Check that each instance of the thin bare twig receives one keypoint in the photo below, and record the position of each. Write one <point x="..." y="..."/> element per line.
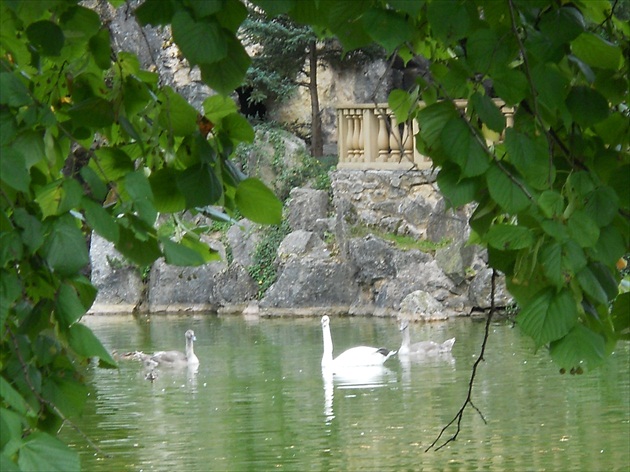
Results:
<point x="468" y="402"/>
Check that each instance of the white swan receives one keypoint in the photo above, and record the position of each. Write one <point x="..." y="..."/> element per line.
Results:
<point x="360" y="356"/>
<point x="176" y="358"/>
<point x="427" y="348"/>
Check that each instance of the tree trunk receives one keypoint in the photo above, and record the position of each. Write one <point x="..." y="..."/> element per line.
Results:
<point x="317" y="143"/>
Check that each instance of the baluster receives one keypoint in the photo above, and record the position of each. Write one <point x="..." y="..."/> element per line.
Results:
<point x="350" y="134"/>
<point x="383" y="138"/>
<point x="394" y="140"/>
<point x="361" y="143"/>
<point x="407" y="141"/>
<point x="356" y="150"/>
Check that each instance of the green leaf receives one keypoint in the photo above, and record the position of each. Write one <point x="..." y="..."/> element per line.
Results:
<point x="602" y="205"/>
<point x="275" y="7"/>
<point x="12" y="397"/>
<point x="552" y="264"/>
<point x="614" y="130"/>
<point x="432" y="120"/>
<point x="232" y="14"/>
<point x="583" y="229"/>
<point x="95" y="112"/>
<point x="505" y="191"/>
<point x="457" y="191"/>
<point x="551" y="203"/>
<point x="10" y="291"/>
<point x="573" y="257"/>
<point x="68" y="307"/>
<point x="166" y="195"/>
<point x="563" y="24"/>
<point x="40" y="451"/>
<point x="509" y="237"/>
<point x="65" y="248"/>
<point x="100" y="220"/>
<point x="610" y="246"/>
<point x="580" y="346"/>
<point x="206" y="8"/>
<point x="13" y="171"/>
<point x="531" y="158"/>
<point x="511" y="85"/>
<point x="30" y="144"/>
<point x="6" y="464"/>
<point x="155" y="12"/>
<point x="548" y="316"/>
<point x="591" y="286"/>
<point x="488" y="112"/>
<point x="386" y="27"/>
<point x="141" y="249"/>
<point x="32" y="235"/>
<point x="98" y="188"/>
<point x="111" y="164"/>
<point x="67" y="394"/>
<point x="228" y="73"/>
<point x="177" y="115"/>
<point x="10" y="247"/>
<point x="180" y="255"/>
<point x="462" y="147"/>
<point x="192" y="241"/>
<point x="86" y="291"/>
<point x="596" y="51"/>
<point x="257" y="203"/>
<point x="46" y="36"/>
<point x="83" y="341"/>
<point x="72" y="193"/>
<point x="551" y="85"/>
<point x="620" y="314"/>
<point x="401" y="104"/>
<point x="485" y="51"/>
<point x="101" y="49"/>
<point x="138" y="187"/>
<point x="59" y="197"/>
<point x="199" y="186"/>
<point x="587" y="106"/>
<point x="238" y="128"/>
<point x="79" y="22"/>
<point x="448" y="19"/>
<point x="217" y="107"/>
<point x="14" y="92"/>
<point x="201" y="41"/>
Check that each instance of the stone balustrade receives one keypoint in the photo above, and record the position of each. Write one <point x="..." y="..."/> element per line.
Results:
<point x="370" y="138"/>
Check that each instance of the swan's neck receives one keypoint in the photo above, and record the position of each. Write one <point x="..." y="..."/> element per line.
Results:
<point x="406" y="341"/>
<point x="190" y="353"/>
<point x="327" y="358"/>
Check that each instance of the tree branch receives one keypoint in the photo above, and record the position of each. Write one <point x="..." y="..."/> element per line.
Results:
<point x="460" y="414"/>
<point x="530" y="82"/>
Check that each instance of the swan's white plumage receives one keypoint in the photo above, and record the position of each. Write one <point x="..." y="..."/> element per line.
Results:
<point x="360" y="356"/>
<point x="427" y="348"/>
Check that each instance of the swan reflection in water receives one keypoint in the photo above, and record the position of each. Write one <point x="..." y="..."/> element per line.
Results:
<point x="374" y="376"/>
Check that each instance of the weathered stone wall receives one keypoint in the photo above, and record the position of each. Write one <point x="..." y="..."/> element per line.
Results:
<point x="373" y="275"/>
<point x="322" y="266"/>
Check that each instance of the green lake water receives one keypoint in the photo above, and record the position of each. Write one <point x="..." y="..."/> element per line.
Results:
<point x="259" y="401"/>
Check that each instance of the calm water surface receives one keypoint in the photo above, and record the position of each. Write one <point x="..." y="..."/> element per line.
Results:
<point x="259" y="402"/>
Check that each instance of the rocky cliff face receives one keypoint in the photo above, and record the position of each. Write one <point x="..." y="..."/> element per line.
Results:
<point x="322" y="265"/>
